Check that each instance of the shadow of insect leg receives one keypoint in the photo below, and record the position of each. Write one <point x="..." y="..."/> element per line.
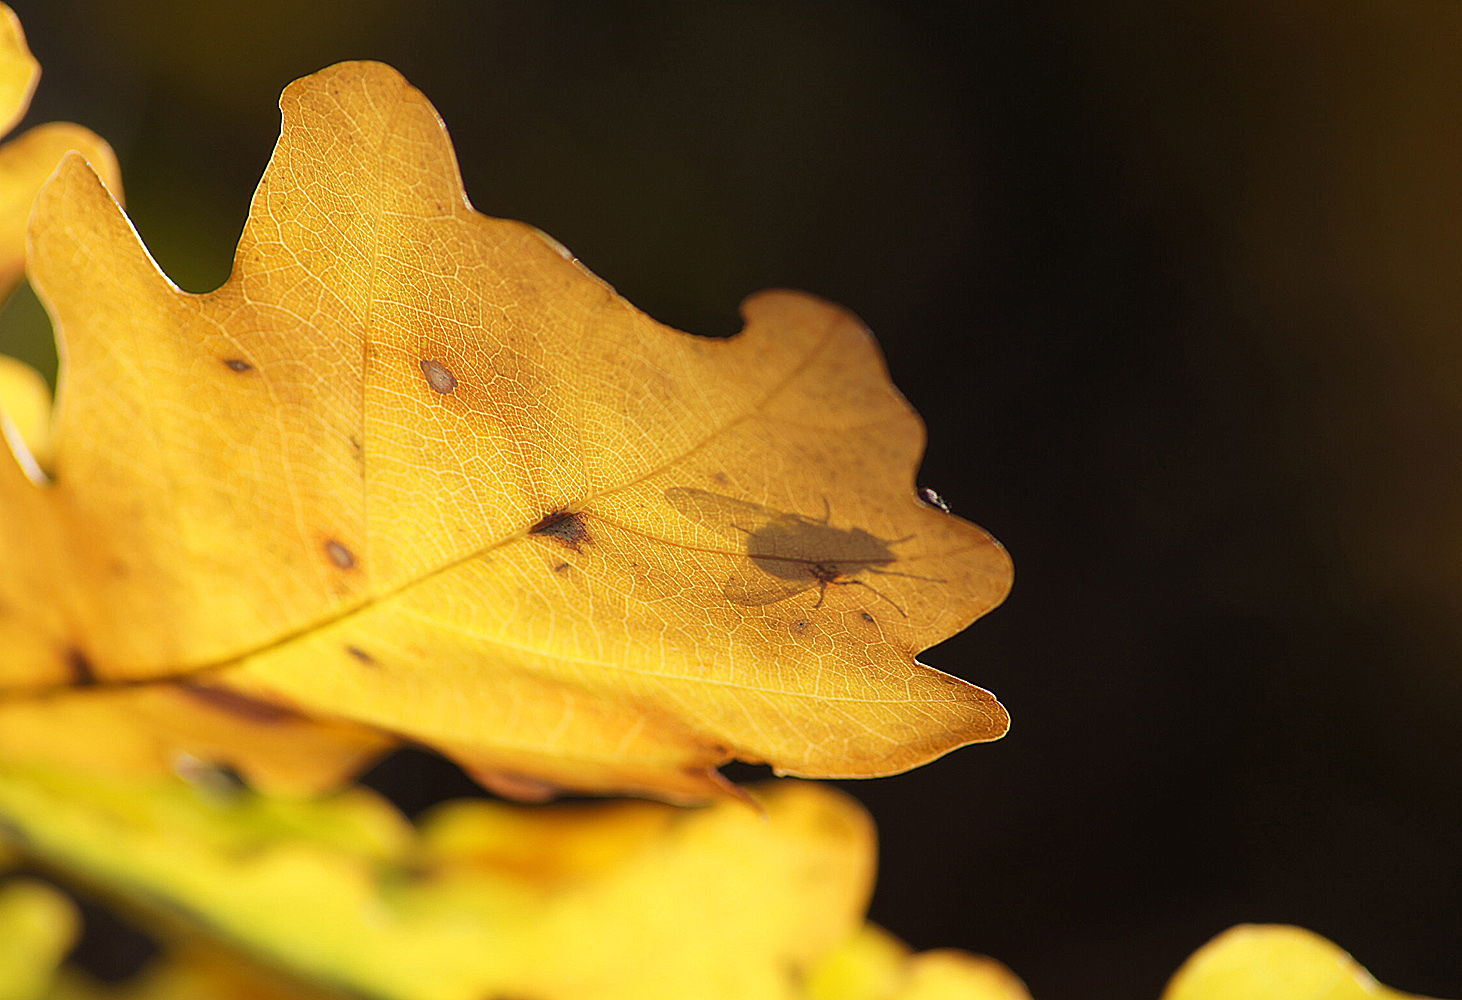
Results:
<point x="876" y="592"/>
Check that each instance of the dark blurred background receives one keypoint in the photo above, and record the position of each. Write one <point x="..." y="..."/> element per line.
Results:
<point x="1176" y="289"/>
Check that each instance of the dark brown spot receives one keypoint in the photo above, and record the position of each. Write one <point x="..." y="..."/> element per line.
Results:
<point x="238" y="365"/>
<point x="866" y="617"/>
<point x="438" y="376"/>
<point x="565" y="527"/>
<point x="721" y="478"/>
<point x="265" y="713"/>
<point x="83" y="674"/>
<point x="339" y="554"/>
<point x="361" y="655"/>
<point x="801" y="626"/>
<point x="561" y="567"/>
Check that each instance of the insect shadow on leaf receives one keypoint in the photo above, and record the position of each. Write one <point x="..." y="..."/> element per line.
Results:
<point x="788" y="554"/>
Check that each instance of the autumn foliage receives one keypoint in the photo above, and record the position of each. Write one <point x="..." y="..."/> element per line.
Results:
<point x="413" y="474"/>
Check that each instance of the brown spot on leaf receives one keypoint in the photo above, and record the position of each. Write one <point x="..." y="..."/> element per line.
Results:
<point x="564" y="527"/>
<point x="801" y="626"/>
<point x="866" y="617"/>
<point x="438" y="376"/>
<point x="83" y="674"/>
<point x="361" y="655"/>
<point x="561" y="568"/>
<point x="238" y="365"/>
<point x="339" y="554"/>
<point x="265" y="713"/>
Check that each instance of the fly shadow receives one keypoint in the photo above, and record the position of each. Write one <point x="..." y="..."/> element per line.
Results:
<point x="789" y="554"/>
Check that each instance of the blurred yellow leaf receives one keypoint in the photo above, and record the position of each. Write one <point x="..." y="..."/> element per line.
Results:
<point x="25" y="411"/>
<point x="874" y="965"/>
<point x="416" y="470"/>
<point x="1274" y="962"/>
<point x="630" y="900"/>
<point x="18" y="71"/>
<point x="161" y="728"/>
<point x="192" y="968"/>
<point x="947" y="974"/>
<point x="26" y="161"/>
<point x="37" y="926"/>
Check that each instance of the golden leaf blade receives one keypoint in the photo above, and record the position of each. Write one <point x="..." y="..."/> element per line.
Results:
<point x="409" y="451"/>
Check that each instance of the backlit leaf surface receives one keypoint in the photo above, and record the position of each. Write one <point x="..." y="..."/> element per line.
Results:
<point x="414" y="471"/>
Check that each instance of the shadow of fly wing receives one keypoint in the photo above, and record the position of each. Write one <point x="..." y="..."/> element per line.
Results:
<point x="787" y="554"/>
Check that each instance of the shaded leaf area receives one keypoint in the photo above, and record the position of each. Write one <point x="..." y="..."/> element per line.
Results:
<point x="415" y="472"/>
<point x="630" y="899"/>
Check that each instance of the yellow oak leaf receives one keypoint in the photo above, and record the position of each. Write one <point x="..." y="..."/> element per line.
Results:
<point x="417" y="470"/>
<point x="631" y="900"/>
<point x="1274" y="962"/>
